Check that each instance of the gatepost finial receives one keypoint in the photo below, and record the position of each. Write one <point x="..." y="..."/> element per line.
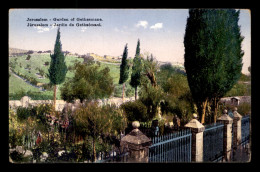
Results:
<point x="136" y="124"/>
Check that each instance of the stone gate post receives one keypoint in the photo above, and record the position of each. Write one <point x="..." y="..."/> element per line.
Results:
<point x="197" y="139"/>
<point x="227" y="135"/>
<point x="137" y="144"/>
<point x="236" y="128"/>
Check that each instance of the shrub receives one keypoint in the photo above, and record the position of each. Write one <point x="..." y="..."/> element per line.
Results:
<point x="15" y="133"/>
<point x="16" y="156"/>
<point x="41" y="72"/>
<point x="30" y="52"/>
<point x="239" y="89"/>
<point x="47" y="86"/>
<point x="18" y="95"/>
<point x="23" y="113"/>
<point x="118" y="91"/>
<point x="130" y="92"/>
<point x="244" y="108"/>
<point x="46" y="63"/>
<point x="135" y="111"/>
<point x="33" y="81"/>
<point x="28" y="57"/>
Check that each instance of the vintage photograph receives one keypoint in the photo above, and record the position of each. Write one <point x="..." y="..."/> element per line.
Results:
<point x="129" y="85"/>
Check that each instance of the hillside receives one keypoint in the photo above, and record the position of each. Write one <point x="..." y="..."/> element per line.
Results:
<point x="16" y="51"/>
<point x="37" y="63"/>
<point x="31" y="69"/>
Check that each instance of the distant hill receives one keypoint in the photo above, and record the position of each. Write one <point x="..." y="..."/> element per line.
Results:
<point x="13" y="51"/>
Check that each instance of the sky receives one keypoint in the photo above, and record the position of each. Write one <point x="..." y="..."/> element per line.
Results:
<point x="161" y="32"/>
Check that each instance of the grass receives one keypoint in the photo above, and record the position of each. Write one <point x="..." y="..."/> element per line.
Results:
<point x="18" y="86"/>
<point x="114" y="71"/>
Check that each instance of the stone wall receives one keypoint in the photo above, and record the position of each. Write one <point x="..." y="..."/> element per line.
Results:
<point x="60" y="104"/>
<point x="241" y="99"/>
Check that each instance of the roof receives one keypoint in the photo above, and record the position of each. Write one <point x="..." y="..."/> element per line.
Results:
<point x="235" y="98"/>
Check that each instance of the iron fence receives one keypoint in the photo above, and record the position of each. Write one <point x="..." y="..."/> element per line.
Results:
<point x="213" y="142"/>
<point x="114" y="156"/>
<point x="245" y="130"/>
<point x="172" y="147"/>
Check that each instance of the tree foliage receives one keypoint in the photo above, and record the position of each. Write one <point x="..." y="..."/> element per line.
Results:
<point x="93" y="120"/>
<point x="89" y="82"/>
<point x="124" y="70"/>
<point x="213" y="55"/>
<point x="150" y="69"/>
<point x="135" y="111"/>
<point x="58" y="68"/>
<point x="177" y="99"/>
<point x="136" y="69"/>
<point x="124" y="67"/>
<point x="150" y="94"/>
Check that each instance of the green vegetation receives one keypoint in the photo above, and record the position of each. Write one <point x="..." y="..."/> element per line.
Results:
<point x="17" y="84"/>
<point x="37" y="62"/>
<point x="136" y="69"/>
<point x="213" y="61"/>
<point x="92" y="120"/>
<point x="95" y="124"/>
<point x="124" y="70"/>
<point x="58" y="69"/>
<point x="213" y="42"/>
<point x="88" y="83"/>
<point x="135" y="111"/>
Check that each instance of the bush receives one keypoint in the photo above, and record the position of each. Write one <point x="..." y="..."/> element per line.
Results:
<point x="16" y="156"/>
<point x="18" y="95"/>
<point x="28" y="57"/>
<point x="130" y="92"/>
<point x="48" y="86"/>
<point x="46" y="63"/>
<point x="41" y="72"/>
<point x="239" y="89"/>
<point x="33" y="81"/>
<point x="23" y="113"/>
<point x="37" y="152"/>
<point x="244" y="108"/>
<point x="118" y="91"/>
<point x="135" y="111"/>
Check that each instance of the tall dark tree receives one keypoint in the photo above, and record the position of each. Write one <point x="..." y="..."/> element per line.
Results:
<point x="213" y="55"/>
<point x="58" y="68"/>
<point x="124" y="70"/>
<point x="136" y="69"/>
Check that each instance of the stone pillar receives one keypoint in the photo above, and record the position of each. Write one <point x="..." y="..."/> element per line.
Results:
<point x="227" y="135"/>
<point x="197" y="139"/>
<point x="137" y="145"/>
<point x="25" y="101"/>
<point x="236" y="128"/>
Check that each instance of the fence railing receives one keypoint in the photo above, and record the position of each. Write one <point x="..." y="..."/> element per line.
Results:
<point x="173" y="147"/>
<point x="245" y="130"/>
<point x="213" y="142"/>
<point x="112" y="156"/>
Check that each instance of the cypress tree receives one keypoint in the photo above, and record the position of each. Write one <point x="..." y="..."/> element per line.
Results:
<point x="124" y="70"/>
<point x="213" y="55"/>
<point x="136" y="69"/>
<point x="58" y="68"/>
